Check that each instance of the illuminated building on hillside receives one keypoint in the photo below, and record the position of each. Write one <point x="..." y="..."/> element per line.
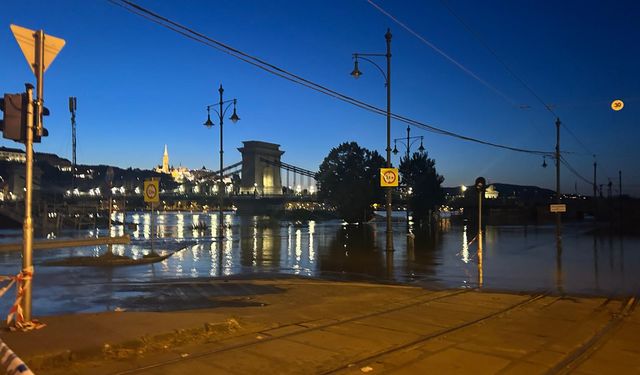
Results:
<point x="178" y="174"/>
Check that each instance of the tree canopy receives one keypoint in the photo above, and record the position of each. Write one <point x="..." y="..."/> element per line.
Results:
<point x="349" y="180"/>
<point x="419" y="175"/>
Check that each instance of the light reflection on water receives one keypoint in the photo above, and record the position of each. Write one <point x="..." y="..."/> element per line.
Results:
<point x="512" y="258"/>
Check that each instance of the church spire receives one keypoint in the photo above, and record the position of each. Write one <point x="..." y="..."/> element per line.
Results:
<point x="165" y="160"/>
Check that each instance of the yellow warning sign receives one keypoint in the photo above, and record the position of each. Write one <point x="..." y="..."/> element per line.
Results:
<point x="388" y="177"/>
<point x="151" y="191"/>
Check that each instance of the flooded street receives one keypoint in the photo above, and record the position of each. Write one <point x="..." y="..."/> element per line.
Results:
<point x="515" y="258"/>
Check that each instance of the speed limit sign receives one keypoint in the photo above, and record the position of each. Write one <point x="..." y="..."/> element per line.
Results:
<point x="388" y="177"/>
<point x="151" y="191"/>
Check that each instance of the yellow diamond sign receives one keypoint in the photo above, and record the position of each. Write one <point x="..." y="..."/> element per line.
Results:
<point x="388" y="177"/>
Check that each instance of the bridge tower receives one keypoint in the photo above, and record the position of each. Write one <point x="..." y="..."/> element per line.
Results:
<point x="259" y="177"/>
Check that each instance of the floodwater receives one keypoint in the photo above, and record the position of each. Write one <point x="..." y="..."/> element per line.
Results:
<point x="515" y="258"/>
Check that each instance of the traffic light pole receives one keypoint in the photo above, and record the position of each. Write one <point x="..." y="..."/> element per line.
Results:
<point x="39" y="72"/>
<point x="27" y="228"/>
<point x="34" y="122"/>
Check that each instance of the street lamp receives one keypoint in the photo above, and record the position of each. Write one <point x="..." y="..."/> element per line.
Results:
<point x="408" y="142"/>
<point x="356" y="73"/>
<point x="234" y="118"/>
<point x="481" y="185"/>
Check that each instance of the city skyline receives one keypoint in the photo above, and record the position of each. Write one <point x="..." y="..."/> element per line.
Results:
<point x="140" y="86"/>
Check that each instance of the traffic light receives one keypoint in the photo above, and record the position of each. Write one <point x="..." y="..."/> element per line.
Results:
<point x="42" y="132"/>
<point x="14" y="123"/>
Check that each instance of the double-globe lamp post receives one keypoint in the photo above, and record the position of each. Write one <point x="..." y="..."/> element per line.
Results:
<point x="408" y="142"/>
<point x="387" y="77"/>
<point x="234" y="118"/>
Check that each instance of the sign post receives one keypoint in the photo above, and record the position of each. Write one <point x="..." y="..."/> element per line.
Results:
<point x="39" y="54"/>
<point x="152" y="196"/>
<point x="481" y="184"/>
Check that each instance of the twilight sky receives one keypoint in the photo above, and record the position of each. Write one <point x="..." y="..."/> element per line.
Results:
<point x="140" y="86"/>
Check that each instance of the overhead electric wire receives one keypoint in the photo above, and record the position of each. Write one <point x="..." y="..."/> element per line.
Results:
<point x="576" y="173"/>
<point x="480" y="40"/>
<point x="273" y="69"/>
<point x="469" y="72"/>
<point x="495" y="55"/>
<point x="443" y="54"/>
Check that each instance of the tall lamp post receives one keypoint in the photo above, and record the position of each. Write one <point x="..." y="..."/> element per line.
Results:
<point x="387" y="77"/>
<point x="221" y="111"/>
<point x="481" y="185"/>
<point x="408" y="142"/>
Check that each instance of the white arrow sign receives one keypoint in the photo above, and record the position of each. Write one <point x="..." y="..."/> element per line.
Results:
<point x="27" y="41"/>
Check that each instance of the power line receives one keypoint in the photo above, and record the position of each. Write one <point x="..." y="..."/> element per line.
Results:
<point x="273" y="69"/>
<point x="482" y="42"/>
<point x="466" y="70"/>
<point x="443" y="54"/>
<point x="576" y="173"/>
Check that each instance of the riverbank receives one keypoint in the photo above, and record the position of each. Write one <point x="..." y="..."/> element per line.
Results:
<point x="296" y="325"/>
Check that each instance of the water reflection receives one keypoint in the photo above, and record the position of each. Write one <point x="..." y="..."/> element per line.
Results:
<point x="509" y="257"/>
<point x="559" y="275"/>
<point x="353" y="251"/>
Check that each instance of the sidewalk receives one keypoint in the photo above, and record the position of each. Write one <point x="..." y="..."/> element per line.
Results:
<point x="308" y="326"/>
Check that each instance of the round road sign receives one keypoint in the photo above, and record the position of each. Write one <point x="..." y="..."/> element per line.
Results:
<point x="151" y="191"/>
<point x="617" y="105"/>
<point x="389" y="177"/>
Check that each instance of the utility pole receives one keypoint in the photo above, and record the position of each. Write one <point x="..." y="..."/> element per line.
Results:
<point x="595" y="184"/>
<point x="620" y="197"/>
<point x="558" y="217"/>
<point x="595" y="189"/>
<point x="620" y="184"/>
<point x="72" y="109"/>
<point x="387" y="37"/>
<point x="408" y="140"/>
<point x="601" y="191"/>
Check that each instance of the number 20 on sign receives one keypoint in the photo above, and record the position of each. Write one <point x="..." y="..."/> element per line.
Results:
<point x="388" y="177"/>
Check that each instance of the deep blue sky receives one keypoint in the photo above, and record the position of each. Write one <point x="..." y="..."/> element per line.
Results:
<point x="140" y="86"/>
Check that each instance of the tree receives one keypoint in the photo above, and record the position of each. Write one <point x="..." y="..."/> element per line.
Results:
<point x="421" y="179"/>
<point x="349" y="180"/>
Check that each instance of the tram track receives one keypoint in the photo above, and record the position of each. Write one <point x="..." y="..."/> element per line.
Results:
<point x="568" y="364"/>
<point x="434" y="335"/>
<point x="575" y="358"/>
<point x="304" y="327"/>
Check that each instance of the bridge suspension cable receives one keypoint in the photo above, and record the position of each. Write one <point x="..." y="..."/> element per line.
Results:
<point x="289" y="167"/>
